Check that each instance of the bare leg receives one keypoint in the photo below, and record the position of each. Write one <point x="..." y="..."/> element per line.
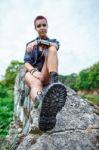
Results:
<point x="34" y="83"/>
<point x="51" y="63"/>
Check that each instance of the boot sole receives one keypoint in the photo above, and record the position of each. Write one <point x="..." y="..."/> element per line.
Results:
<point x="53" y="101"/>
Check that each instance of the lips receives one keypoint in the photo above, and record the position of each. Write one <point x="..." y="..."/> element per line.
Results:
<point x="43" y="31"/>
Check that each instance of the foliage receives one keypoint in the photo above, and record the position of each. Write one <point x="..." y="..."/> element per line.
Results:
<point x="6" y="111"/>
<point x="88" y="79"/>
<point x="69" y="80"/>
<point x="6" y="96"/>
<point x="82" y="80"/>
<point x="3" y="91"/>
<point x="11" y="73"/>
<point x="93" y="98"/>
<point x="94" y="76"/>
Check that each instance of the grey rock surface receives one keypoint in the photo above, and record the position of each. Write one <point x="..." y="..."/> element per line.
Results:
<point x="77" y="126"/>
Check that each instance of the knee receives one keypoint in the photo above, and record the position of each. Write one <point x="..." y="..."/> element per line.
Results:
<point x="32" y="81"/>
<point x="52" y="49"/>
<point x="36" y="83"/>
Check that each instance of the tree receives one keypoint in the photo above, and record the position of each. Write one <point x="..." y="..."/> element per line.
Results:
<point x="94" y="76"/>
<point x="69" y="80"/>
<point x="82" y="80"/>
<point x="11" y="73"/>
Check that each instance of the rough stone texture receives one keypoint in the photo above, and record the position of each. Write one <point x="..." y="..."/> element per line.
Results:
<point x="77" y="126"/>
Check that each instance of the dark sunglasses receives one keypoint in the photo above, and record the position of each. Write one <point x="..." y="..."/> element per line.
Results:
<point x="41" y="25"/>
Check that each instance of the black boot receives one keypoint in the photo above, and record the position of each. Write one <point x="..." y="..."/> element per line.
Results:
<point x="53" y="100"/>
<point x="53" y="77"/>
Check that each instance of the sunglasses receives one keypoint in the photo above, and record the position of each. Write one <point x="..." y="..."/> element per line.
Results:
<point x="41" y="25"/>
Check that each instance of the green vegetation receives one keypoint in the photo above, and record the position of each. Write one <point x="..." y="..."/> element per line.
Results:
<point x="92" y="98"/>
<point x="87" y="79"/>
<point x="69" y="80"/>
<point x="6" y="111"/>
<point x="6" y="97"/>
<point x="11" y="72"/>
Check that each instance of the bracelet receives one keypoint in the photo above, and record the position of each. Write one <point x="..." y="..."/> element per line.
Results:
<point x="33" y="70"/>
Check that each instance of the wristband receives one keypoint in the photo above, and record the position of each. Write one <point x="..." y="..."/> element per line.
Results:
<point x="33" y="70"/>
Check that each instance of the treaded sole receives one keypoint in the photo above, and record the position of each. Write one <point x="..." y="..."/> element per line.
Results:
<point x="53" y="101"/>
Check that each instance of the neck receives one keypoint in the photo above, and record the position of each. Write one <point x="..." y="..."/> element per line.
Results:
<point x="42" y="37"/>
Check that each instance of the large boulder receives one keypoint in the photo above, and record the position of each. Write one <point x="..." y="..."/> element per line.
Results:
<point x="77" y="126"/>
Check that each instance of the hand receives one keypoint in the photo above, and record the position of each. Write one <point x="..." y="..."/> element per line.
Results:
<point x="31" y="46"/>
<point x="38" y="75"/>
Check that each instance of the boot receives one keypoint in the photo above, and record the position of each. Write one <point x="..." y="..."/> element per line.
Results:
<point x="53" y="100"/>
<point x="53" y="77"/>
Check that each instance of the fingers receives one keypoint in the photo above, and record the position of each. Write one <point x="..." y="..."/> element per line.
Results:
<point x="38" y="75"/>
<point x="31" y="46"/>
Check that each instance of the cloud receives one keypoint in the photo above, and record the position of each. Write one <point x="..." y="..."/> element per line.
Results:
<point x="74" y="23"/>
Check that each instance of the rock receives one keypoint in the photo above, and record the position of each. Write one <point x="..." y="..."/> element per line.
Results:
<point x="19" y="130"/>
<point x="28" y="141"/>
<point x="77" y="126"/>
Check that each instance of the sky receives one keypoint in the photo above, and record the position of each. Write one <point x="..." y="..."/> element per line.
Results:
<point x="74" y="23"/>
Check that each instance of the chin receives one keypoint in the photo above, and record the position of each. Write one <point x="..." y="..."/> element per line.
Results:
<point x="43" y="35"/>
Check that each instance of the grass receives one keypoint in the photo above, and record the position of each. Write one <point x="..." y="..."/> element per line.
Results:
<point x="92" y="98"/>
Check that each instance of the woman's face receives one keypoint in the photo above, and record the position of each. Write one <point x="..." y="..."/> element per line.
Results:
<point x="41" y="27"/>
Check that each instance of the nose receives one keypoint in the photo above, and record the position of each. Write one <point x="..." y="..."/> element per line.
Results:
<point x="42" y="27"/>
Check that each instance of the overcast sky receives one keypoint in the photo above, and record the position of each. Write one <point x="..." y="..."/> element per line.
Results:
<point x="75" y="23"/>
